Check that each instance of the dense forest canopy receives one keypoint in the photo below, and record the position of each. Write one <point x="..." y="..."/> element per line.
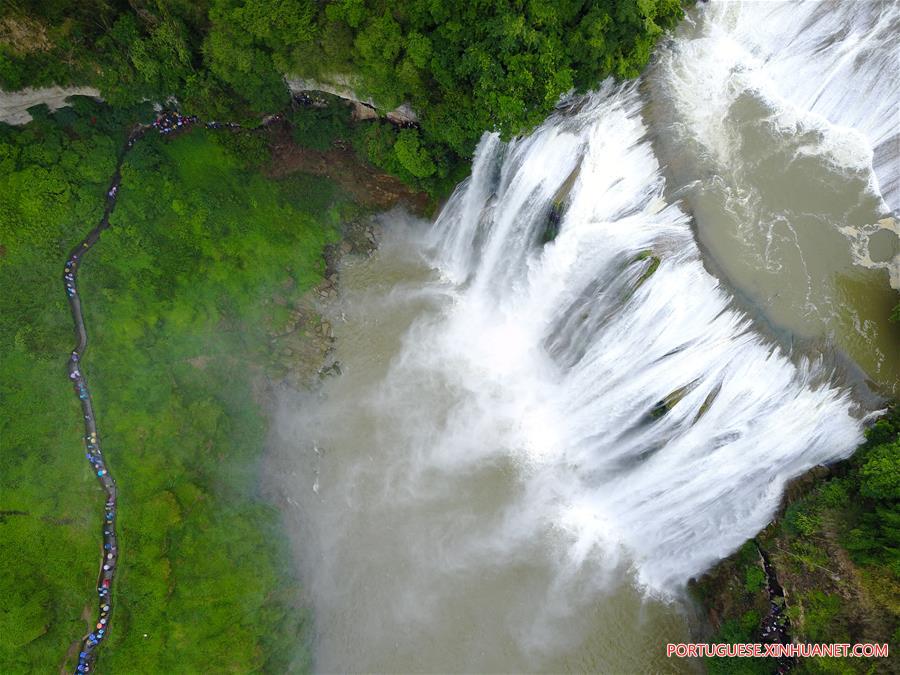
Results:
<point x="465" y="66"/>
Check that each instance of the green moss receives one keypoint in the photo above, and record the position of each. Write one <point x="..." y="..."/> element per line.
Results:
<point x="754" y="579"/>
<point x="650" y="268"/>
<point x="551" y="228"/>
<point x="562" y="194"/>
<point x="708" y="401"/>
<point x="670" y="401"/>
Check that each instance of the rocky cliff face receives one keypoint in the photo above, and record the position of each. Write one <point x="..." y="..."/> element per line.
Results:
<point x="344" y="86"/>
<point x="14" y="104"/>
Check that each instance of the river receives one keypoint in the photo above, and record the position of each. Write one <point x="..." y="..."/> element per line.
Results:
<point x="540" y="436"/>
<point x="778" y="124"/>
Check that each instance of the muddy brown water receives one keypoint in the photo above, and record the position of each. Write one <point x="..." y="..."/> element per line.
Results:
<point x="768" y="137"/>
<point x="460" y="502"/>
<point x="396" y="552"/>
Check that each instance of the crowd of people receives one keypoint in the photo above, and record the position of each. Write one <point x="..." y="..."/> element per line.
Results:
<point x="94" y="455"/>
<point x="69" y="277"/>
<point x="222" y="125"/>
<point x="93" y="452"/>
<point x="165" y="123"/>
<point x="171" y="121"/>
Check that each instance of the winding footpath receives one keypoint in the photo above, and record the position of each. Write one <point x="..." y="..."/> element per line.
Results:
<point x="94" y="454"/>
<point x="165" y="124"/>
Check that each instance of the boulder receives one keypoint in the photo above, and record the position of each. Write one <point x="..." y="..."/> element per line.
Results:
<point x="403" y="115"/>
<point x="362" y="111"/>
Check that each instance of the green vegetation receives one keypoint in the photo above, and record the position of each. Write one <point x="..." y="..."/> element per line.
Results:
<point x="754" y="579"/>
<point x="651" y="267"/>
<point x="52" y="185"/>
<point x="736" y="588"/>
<point x="175" y="304"/>
<point x="475" y="66"/>
<point x="465" y="67"/>
<point x="173" y="290"/>
<point x="319" y="127"/>
<point x="328" y="123"/>
<point x="836" y="554"/>
<point x="872" y="507"/>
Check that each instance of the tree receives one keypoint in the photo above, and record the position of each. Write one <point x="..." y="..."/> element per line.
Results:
<point x="412" y="155"/>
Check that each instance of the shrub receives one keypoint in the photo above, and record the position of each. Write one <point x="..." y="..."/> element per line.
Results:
<point x="412" y="156"/>
<point x="319" y="127"/>
<point x="755" y="579"/>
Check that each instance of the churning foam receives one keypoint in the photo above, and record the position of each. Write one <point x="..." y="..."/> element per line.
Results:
<point x="832" y="68"/>
<point x="545" y="416"/>
<point x="648" y="418"/>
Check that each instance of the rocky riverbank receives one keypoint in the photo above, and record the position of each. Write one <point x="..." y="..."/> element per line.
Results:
<point x="302" y="348"/>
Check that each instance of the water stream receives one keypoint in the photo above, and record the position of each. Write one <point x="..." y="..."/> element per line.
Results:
<point x="552" y="413"/>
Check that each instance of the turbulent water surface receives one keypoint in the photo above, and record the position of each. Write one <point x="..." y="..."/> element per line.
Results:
<point x="779" y="123"/>
<point x="545" y="426"/>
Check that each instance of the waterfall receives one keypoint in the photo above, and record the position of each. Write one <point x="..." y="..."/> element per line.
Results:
<point x="551" y="415"/>
<point x="653" y="420"/>
<point x="828" y="68"/>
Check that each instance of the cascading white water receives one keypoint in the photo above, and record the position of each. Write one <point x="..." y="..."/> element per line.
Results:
<point x="551" y="415"/>
<point x="535" y="429"/>
<point x="575" y="342"/>
<point x="830" y="67"/>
